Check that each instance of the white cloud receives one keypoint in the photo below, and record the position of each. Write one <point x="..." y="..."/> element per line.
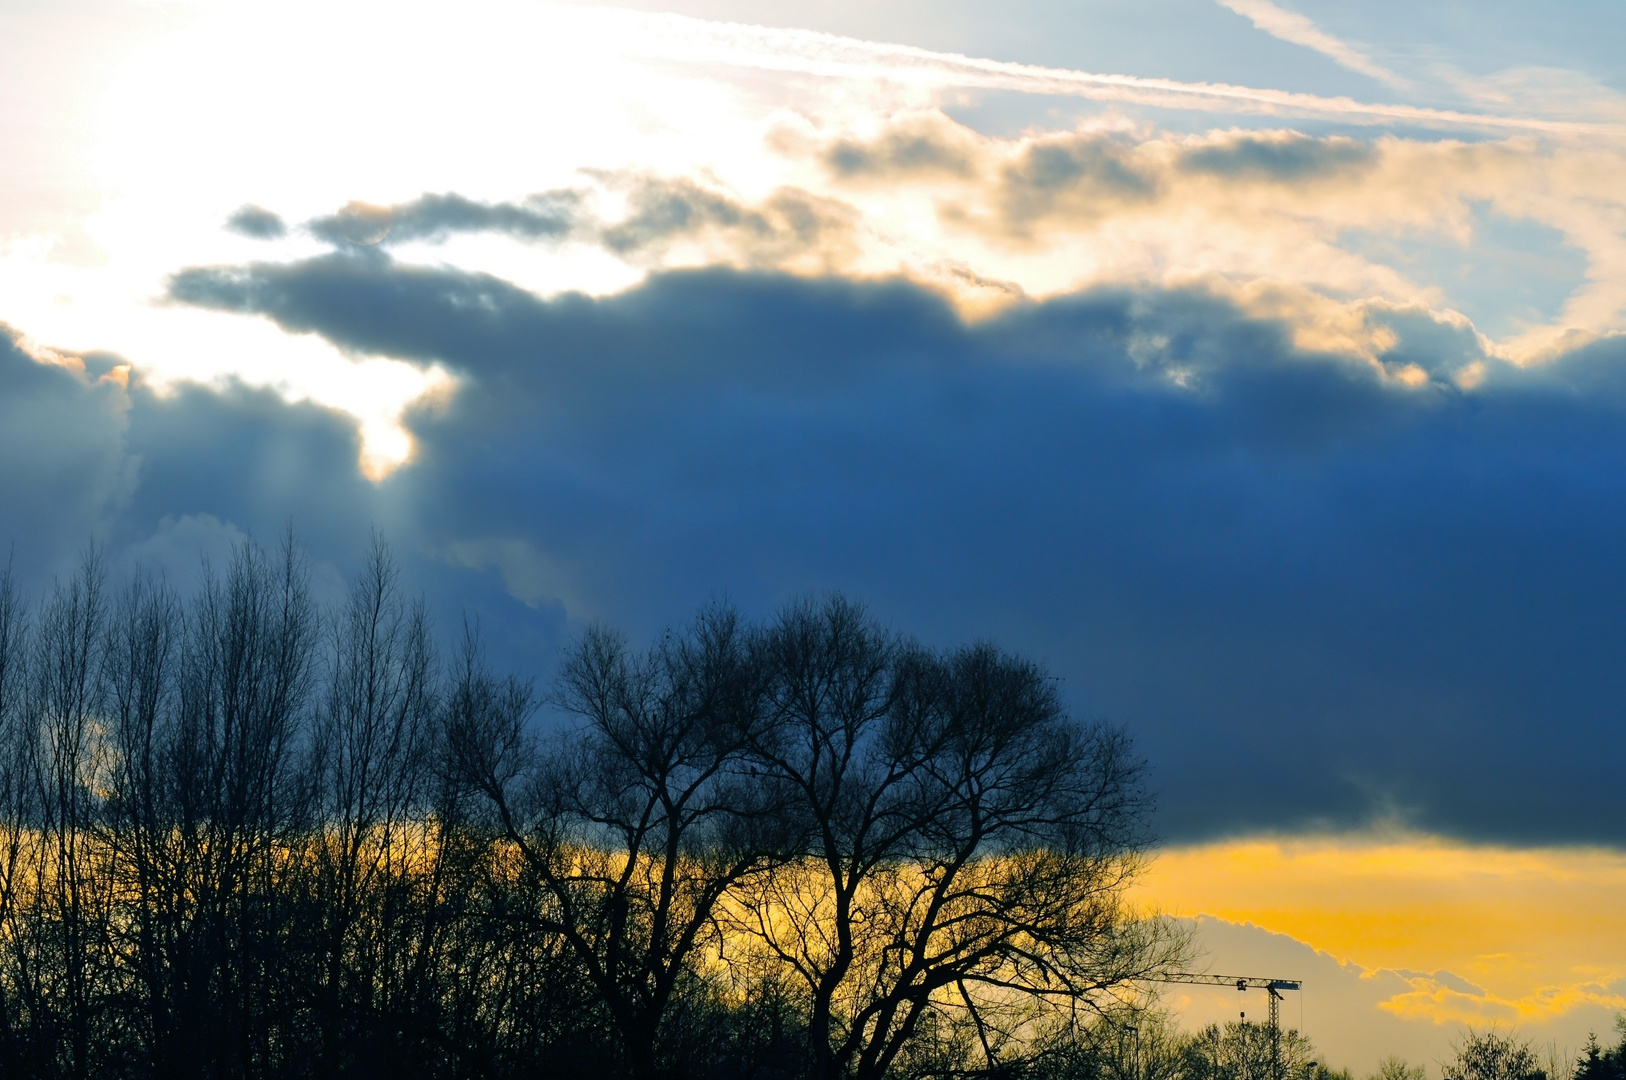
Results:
<point x="396" y="102"/>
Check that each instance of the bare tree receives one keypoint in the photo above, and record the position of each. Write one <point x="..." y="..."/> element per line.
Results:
<point x="140" y="691"/>
<point x="66" y="743"/>
<point x="237" y="804"/>
<point x="967" y="844"/>
<point x="377" y="849"/>
<point x="17" y="815"/>
<point x="639" y="822"/>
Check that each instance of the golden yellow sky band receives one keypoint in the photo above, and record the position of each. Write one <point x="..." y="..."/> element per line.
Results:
<point x="1539" y="931"/>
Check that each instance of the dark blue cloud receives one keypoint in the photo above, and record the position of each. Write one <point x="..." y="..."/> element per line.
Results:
<point x="1316" y="596"/>
<point x="787" y="224"/>
<point x="163" y="481"/>
<point x="246" y="457"/>
<point x="546" y="216"/>
<point x="257" y="223"/>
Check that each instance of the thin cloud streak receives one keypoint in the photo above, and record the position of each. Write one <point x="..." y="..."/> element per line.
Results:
<point x="1295" y="29"/>
<point x="685" y="39"/>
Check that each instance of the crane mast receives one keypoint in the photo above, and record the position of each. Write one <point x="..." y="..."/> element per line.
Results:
<point x="1272" y="989"/>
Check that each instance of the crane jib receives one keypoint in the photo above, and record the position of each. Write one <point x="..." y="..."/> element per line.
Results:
<point x="1241" y="982"/>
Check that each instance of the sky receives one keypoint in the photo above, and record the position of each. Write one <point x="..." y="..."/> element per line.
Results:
<point x="1257" y="367"/>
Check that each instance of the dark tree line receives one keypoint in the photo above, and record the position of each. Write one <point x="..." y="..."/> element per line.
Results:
<point x="1604" y="1063"/>
<point x="244" y="837"/>
<point x="1139" y="1042"/>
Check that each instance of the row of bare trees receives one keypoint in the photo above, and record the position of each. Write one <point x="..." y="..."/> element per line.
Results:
<point x="241" y="836"/>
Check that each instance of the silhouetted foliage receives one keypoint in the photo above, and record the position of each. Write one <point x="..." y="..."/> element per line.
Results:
<point x="242" y="836"/>
<point x="1397" y="1068"/>
<point x="1598" y="1063"/>
<point x="1240" y="1050"/>
<point x="1492" y="1055"/>
<point x="1140" y="1043"/>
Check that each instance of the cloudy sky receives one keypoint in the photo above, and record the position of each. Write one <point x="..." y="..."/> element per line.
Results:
<point x="1256" y="366"/>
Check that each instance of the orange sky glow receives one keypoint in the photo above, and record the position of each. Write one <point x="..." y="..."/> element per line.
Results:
<point x="1443" y="934"/>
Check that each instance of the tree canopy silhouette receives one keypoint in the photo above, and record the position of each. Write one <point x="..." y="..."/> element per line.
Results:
<point x="244" y="835"/>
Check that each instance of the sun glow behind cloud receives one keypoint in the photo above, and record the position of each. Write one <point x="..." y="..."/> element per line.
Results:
<point x="305" y="108"/>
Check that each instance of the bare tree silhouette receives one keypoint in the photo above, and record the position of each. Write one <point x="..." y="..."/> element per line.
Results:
<point x="637" y="824"/>
<point x="967" y="844"/>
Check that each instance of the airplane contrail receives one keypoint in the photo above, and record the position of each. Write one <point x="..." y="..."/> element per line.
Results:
<point x="686" y="39"/>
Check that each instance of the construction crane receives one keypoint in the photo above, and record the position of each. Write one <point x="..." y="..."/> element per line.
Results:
<point x="1272" y="989"/>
